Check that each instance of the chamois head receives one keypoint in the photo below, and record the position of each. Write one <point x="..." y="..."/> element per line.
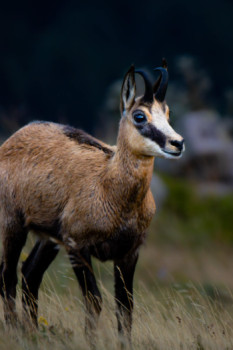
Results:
<point x="146" y="118"/>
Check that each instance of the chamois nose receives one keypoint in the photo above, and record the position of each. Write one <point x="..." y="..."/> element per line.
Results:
<point x="177" y="144"/>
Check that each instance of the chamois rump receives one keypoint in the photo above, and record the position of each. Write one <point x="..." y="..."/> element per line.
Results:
<point x="72" y="189"/>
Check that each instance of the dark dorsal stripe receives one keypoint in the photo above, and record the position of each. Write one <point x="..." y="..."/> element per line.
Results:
<point x="83" y="138"/>
<point x="153" y="133"/>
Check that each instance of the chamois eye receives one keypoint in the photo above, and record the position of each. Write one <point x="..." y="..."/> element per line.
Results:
<point x="140" y="118"/>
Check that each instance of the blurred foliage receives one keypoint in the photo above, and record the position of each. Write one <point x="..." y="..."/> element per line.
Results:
<point x="189" y="218"/>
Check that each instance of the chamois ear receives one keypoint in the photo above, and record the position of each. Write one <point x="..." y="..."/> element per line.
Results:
<point x="128" y="90"/>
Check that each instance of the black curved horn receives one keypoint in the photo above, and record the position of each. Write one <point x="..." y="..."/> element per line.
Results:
<point x="164" y="63"/>
<point x="160" y="86"/>
<point x="148" y="95"/>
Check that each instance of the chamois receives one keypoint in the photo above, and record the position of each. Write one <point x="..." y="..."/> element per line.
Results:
<point x="72" y="189"/>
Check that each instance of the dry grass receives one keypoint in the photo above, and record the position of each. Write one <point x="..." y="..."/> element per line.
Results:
<point x="166" y="318"/>
<point x="167" y="315"/>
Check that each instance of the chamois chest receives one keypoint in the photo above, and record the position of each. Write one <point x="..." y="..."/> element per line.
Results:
<point x="116" y="248"/>
<point x="128" y="234"/>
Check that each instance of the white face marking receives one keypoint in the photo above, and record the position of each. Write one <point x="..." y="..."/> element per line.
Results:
<point x="159" y="120"/>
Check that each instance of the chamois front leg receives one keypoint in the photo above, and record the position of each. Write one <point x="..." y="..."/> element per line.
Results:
<point x="124" y="272"/>
<point x="82" y="266"/>
<point x="41" y="256"/>
<point x="13" y="243"/>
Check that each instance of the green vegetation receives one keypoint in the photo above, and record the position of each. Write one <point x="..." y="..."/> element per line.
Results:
<point x="187" y="218"/>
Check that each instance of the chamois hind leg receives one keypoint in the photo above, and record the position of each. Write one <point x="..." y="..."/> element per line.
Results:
<point x="41" y="256"/>
<point x="81" y="263"/>
<point x="124" y="273"/>
<point x="13" y="243"/>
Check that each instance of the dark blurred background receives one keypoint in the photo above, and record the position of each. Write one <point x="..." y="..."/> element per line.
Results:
<point x="64" y="61"/>
<point x="59" y="58"/>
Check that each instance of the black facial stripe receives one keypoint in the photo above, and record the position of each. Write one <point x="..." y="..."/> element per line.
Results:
<point x="150" y="131"/>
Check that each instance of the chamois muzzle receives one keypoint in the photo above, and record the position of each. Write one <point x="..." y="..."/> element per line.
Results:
<point x="177" y="144"/>
<point x="174" y="148"/>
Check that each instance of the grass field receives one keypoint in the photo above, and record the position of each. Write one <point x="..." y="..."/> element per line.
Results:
<point x="175" y="317"/>
<point x="167" y="315"/>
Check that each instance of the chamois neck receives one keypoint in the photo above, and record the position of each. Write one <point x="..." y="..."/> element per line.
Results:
<point x="130" y="173"/>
